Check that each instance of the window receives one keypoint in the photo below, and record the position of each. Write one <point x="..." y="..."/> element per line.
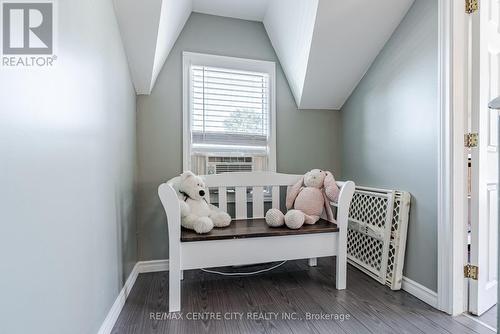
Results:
<point x="229" y="114"/>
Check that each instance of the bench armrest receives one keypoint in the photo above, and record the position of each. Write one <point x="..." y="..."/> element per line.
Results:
<point x="344" y="202"/>
<point x="346" y="193"/>
<point x="170" y="201"/>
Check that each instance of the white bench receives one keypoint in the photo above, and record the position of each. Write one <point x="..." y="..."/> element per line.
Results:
<point x="255" y="242"/>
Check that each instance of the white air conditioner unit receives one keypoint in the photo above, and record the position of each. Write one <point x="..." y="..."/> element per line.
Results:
<point x="225" y="164"/>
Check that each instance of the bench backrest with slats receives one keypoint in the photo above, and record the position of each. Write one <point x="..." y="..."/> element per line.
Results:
<point x="239" y="251"/>
<point x="257" y="182"/>
<point x="241" y="182"/>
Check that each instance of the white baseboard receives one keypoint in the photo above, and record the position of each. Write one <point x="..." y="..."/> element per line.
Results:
<point x="421" y="292"/>
<point x="152" y="266"/>
<point x="140" y="267"/>
<point x="117" y="306"/>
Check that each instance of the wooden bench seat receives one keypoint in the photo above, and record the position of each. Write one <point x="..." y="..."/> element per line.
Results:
<point x="249" y="241"/>
<point x="253" y="228"/>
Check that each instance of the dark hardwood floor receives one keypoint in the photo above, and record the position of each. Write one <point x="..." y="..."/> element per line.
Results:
<point x="489" y="317"/>
<point x="262" y="303"/>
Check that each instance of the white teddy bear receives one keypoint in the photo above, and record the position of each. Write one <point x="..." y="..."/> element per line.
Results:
<point x="196" y="211"/>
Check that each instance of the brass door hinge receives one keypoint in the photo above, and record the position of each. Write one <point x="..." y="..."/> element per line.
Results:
<point x="471" y="6"/>
<point x="471" y="271"/>
<point x="471" y="140"/>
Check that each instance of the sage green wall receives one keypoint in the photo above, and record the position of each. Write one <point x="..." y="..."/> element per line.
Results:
<point x="67" y="167"/>
<point x="305" y="138"/>
<point x="390" y="128"/>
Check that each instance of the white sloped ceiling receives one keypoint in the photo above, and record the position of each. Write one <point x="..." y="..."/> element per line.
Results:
<point x="149" y="29"/>
<point x="324" y="46"/>
<point x="291" y="32"/>
<point x="253" y="10"/>
<point x="348" y="35"/>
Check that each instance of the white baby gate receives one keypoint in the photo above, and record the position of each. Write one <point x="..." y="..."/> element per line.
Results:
<point x="376" y="237"/>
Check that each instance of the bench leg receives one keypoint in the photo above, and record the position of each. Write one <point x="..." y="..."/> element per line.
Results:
<point x="174" y="290"/>
<point x="341" y="263"/>
<point x="340" y="273"/>
<point x="313" y="262"/>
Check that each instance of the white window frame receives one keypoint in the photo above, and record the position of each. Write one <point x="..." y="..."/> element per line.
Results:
<point x="243" y="64"/>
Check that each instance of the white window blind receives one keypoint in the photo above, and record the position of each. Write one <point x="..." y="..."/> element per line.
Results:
<point x="229" y="110"/>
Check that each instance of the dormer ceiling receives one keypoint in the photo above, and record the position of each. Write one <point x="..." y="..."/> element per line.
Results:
<point x="324" y="46"/>
<point x="252" y="10"/>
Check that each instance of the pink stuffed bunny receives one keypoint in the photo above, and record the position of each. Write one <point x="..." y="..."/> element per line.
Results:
<point x="308" y="197"/>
